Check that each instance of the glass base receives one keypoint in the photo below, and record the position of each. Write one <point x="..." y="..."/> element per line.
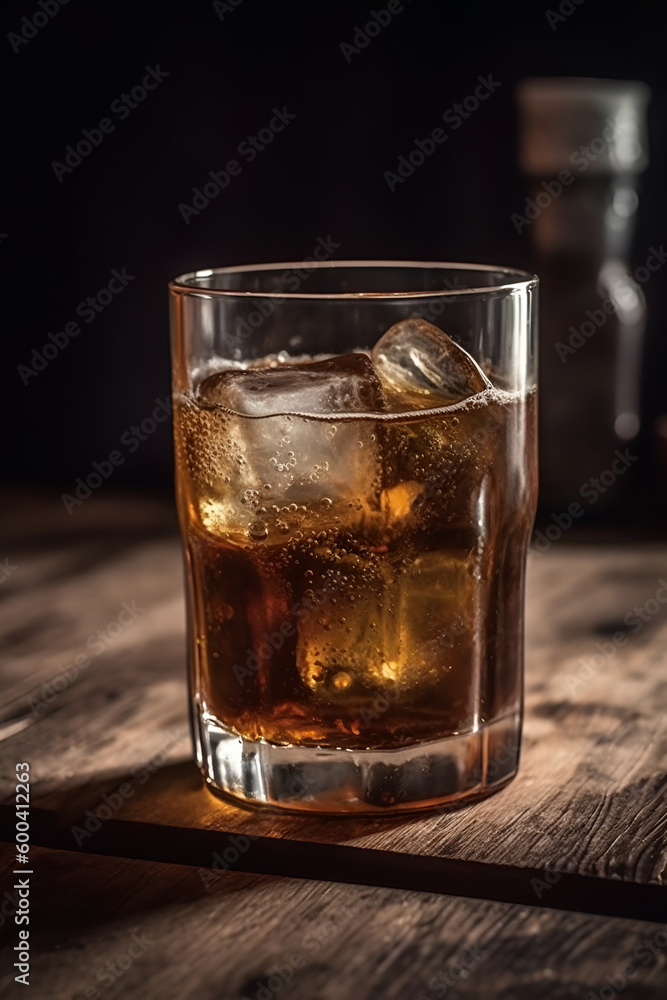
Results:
<point x="323" y="780"/>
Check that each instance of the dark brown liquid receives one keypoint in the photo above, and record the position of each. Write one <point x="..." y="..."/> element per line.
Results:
<point x="371" y="597"/>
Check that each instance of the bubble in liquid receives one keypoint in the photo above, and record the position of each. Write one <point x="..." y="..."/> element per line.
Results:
<point x="249" y="496"/>
<point x="326" y="502"/>
<point x="390" y="670"/>
<point x="341" y="680"/>
<point x="258" y="530"/>
<point x="315" y="674"/>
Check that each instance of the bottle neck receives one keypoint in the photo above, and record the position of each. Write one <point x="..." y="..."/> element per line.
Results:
<point x="588" y="222"/>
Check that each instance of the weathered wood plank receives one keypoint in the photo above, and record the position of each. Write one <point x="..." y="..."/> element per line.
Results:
<point x="222" y="936"/>
<point x="591" y="794"/>
<point x="339" y="863"/>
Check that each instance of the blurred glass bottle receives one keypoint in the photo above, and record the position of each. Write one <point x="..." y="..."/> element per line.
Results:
<point x="583" y="145"/>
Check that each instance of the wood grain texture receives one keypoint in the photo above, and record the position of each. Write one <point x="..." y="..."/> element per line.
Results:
<point x="222" y="940"/>
<point x="220" y="850"/>
<point x="592" y="789"/>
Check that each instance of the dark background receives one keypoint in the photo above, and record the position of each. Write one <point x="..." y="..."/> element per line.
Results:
<point x="321" y="177"/>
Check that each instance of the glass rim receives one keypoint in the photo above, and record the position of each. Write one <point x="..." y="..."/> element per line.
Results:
<point x="517" y="279"/>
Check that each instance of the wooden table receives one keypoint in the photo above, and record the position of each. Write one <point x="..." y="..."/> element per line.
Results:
<point x="552" y="888"/>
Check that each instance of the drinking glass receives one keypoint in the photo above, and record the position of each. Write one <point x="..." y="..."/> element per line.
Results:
<point x="356" y="483"/>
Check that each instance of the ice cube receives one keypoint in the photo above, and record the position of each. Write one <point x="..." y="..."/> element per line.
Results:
<point x="347" y="642"/>
<point x="344" y="384"/>
<point x="441" y="607"/>
<point x="430" y="465"/>
<point x="282" y="470"/>
<point x="420" y="366"/>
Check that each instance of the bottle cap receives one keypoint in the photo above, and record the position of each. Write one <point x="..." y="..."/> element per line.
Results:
<point x="582" y="125"/>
